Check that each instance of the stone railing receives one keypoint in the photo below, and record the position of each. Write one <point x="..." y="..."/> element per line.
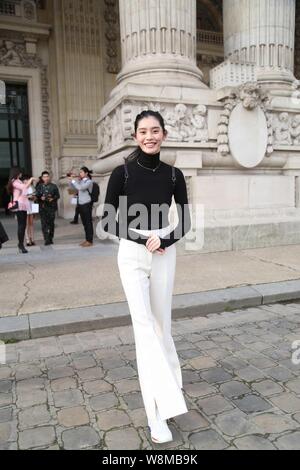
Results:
<point x="10" y="8"/>
<point x="230" y="73"/>
<point x="209" y="37"/>
<point x="24" y="9"/>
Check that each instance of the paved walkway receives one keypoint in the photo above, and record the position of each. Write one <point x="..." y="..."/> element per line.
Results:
<point x="81" y="391"/>
<point x="65" y="276"/>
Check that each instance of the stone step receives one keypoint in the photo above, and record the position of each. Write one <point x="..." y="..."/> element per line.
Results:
<point x="199" y="304"/>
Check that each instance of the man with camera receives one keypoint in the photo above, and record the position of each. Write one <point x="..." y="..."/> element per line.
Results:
<point x="47" y="194"/>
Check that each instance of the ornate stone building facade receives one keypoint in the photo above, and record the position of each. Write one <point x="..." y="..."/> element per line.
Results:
<point x="222" y="73"/>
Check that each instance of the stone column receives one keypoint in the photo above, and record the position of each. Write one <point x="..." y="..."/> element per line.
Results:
<point x="158" y="40"/>
<point x="159" y="72"/>
<point x="262" y="32"/>
<point x="297" y="42"/>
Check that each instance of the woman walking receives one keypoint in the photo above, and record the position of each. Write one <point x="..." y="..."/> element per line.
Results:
<point x="18" y="189"/>
<point x="84" y="187"/>
<point x="30" y="215"/>
<point x="146" y="261"/>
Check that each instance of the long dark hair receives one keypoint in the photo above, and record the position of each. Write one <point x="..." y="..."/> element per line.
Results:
<point x="86" y="170"/>
<point x="15" y="171"/>
<point x="147" y="113"/>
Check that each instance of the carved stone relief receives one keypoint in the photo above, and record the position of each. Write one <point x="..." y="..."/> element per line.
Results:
<point x="111" y="35"/>
<point x="250" y="96"/>
<point x="286" y="128"/>
<point x="29" y="10"/>
<point x="184" y="123"/>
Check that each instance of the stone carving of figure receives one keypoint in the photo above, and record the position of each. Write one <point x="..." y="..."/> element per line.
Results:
<point x="282" y="130"/>
<point x="116" y="127"/>
<point x="100" y="137"/>
<point x="10" y="57"/>
<point x="295" y="130"/>
<point x="199" y="122"/>
<point x="29" y="9"/>
<point x="171" y="126"/>
<point x="106" y="133"/>
<point x="250" y="95"/>
<point x="177" y="124"/>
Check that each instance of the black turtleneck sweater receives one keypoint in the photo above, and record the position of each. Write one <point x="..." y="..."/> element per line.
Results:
<point x="151" y="189"/>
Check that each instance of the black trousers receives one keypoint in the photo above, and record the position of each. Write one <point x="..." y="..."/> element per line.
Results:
<point x="76" y="215"/>
<point x="47" y="220"/>
<point x="85" y="211"/>
<point x="22" y="221"/>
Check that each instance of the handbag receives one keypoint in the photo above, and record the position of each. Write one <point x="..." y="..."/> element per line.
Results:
<point x="35" y="208"/>
<point x="13" y="206"/>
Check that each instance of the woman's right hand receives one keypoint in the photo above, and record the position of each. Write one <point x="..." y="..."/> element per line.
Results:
<point x="153" y="243"/>
<point x="160" y="251"/>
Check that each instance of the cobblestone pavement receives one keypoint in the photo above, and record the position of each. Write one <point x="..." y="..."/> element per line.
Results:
<point x="81" y="391"/>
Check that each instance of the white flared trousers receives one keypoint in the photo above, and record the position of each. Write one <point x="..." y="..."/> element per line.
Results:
<point x="148" y="280"/>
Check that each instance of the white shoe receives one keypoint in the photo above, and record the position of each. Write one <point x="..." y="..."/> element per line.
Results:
<point x="160" y="432"/>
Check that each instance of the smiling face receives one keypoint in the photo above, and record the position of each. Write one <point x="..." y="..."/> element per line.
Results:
<point x="149" y="135"/>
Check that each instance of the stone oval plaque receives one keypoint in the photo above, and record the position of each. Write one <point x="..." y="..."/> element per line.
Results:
<point x="248" y="136"/>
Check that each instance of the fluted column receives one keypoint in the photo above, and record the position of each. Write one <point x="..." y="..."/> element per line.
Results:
<point x="159" y="42"/>
<point x="263" y="32"/>
<point x="297" y="42"/>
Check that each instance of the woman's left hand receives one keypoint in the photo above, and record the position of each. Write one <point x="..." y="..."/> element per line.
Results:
<point x="153" y="243"/>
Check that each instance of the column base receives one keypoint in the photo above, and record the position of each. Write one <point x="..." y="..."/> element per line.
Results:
<point x="275" y="79"/>
<point x="158" y="70"/>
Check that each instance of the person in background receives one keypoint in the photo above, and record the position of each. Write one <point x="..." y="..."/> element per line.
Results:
<point x="84" y="186"/>
<point x="5" y="201"/>
<point x="47" y="194"/>
<point x="3" y="236"/>
<point x="18" y="190"/>
<point x="30" y="216"/>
